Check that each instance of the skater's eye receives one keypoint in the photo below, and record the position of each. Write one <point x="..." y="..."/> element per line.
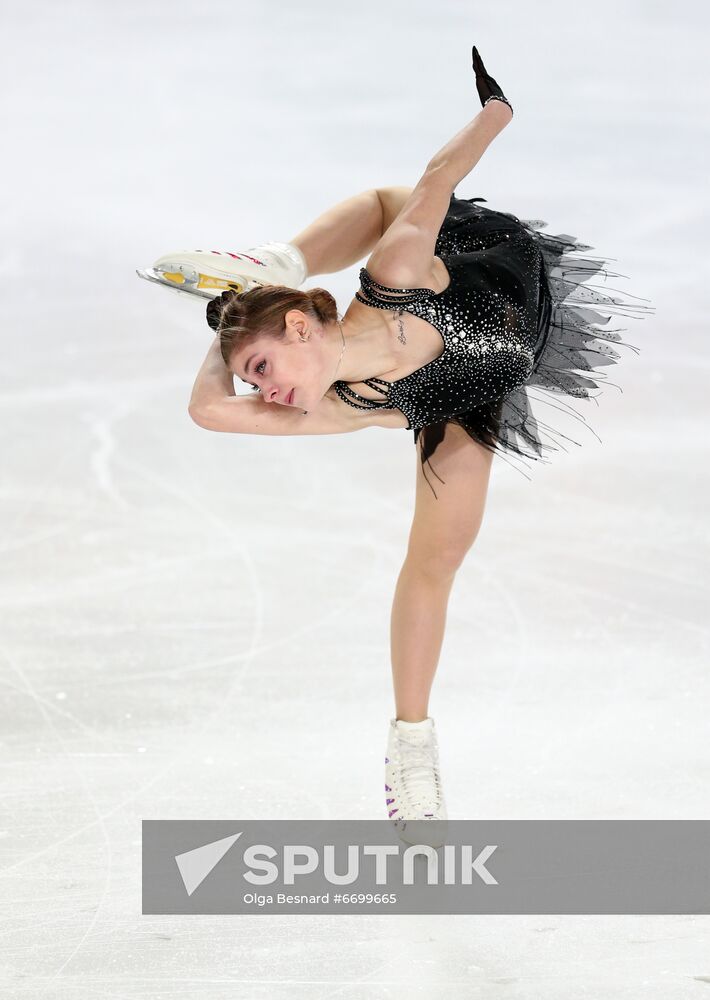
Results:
<point x="255" y="388"/>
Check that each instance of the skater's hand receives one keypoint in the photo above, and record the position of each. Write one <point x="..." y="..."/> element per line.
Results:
<point x="488" y="89"/>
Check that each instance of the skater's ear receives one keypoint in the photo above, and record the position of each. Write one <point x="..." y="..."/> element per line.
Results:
<point x="296" y="320"/>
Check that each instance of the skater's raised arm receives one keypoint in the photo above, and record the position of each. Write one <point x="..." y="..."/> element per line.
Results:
<point x="214" y="380"/>
<point x="403" y="256"/>
<point x="461" y="154"/>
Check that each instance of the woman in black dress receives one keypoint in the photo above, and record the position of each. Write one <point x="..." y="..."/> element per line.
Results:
<point x="464" y="315"/>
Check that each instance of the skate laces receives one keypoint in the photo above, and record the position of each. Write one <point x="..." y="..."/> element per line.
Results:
<point x="418" y="768"/>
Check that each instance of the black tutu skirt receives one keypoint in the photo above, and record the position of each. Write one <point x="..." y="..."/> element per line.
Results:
<point x="575" y="341"/>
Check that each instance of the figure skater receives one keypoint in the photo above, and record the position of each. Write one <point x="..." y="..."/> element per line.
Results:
<point x="463" y="316"/>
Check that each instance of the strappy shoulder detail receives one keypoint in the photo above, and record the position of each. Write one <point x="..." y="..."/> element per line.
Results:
<point x="396" y="299"/>
<point x="348" y="394"/>
<point x="387" y="297"/>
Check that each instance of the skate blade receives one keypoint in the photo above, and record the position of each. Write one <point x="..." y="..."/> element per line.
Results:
<point x="204" y="285"/>
<point x="427" y="832"/>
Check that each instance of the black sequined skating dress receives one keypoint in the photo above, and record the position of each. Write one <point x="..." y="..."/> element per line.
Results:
<point x="519" y="322"/>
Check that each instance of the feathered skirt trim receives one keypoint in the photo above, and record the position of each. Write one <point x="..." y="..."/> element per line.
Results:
<point x="574" y="342"/>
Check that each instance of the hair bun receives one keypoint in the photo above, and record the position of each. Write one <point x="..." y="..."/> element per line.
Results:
<point x="324" y="305"/>
<point x="213" y="313"/>
<point x="229" y="296"/>
<point x="217" y="306"/>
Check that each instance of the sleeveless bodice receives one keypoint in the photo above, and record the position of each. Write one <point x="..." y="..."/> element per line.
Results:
<point x="523" y="319"/>
<point x="487" y="318"/>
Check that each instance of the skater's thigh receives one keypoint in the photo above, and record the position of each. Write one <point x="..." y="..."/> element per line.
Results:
<point x="445" y="526"/>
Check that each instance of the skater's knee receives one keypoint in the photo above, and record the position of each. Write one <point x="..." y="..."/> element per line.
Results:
<point x="440" y="560"/>
<point x="392" y="200"/>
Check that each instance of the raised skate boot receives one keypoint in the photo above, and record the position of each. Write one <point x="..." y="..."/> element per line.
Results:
<point x="210" y="272"/>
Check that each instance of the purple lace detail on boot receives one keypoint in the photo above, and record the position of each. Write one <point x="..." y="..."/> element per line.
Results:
<point x="387" y="788"/>
<point x="392" y="812"/>
<point x="389" y="802"/>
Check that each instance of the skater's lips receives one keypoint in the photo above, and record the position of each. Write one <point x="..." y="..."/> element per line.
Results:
<point x="289" y="398"/>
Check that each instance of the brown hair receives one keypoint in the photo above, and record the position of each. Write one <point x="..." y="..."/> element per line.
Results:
<point x="240" y="317"/>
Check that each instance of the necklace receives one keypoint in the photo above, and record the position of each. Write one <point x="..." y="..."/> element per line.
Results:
<point x="343" y="350"/>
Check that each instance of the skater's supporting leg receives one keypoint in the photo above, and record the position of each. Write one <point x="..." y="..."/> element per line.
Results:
<point x="349" y="231"/>
<point x="443" y="531"/>
<point x="417" y="630"/>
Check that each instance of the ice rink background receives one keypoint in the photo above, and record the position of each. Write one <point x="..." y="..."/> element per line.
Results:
<point x="196" y="625"/>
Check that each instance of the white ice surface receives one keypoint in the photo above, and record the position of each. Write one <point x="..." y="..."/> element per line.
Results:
<point x="197" y="625"/>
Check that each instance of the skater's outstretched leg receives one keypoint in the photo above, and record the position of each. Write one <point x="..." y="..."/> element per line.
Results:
<point x="338" y="238"/>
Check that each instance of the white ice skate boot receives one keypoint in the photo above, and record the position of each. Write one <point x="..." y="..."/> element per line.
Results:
<point x="210" y="272"/>
<point x="413" y="792"/>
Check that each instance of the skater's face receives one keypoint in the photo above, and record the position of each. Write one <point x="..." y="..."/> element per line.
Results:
<point x="293" y="370"/>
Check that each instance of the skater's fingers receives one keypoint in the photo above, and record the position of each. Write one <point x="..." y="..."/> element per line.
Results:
<point x="477" y="61"/>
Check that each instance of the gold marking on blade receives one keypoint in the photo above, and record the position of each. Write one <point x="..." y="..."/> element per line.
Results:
<point x="207" y="281"/>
